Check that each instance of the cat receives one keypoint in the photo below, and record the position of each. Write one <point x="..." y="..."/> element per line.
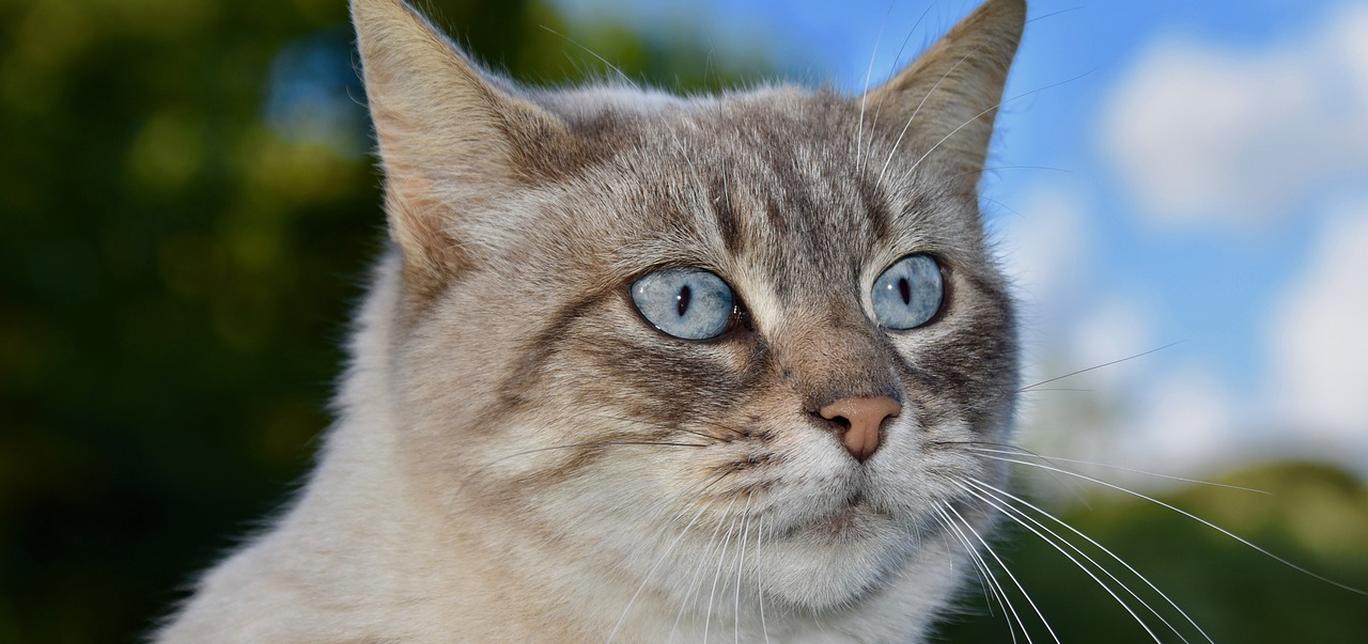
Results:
<point x="637" y="367"/>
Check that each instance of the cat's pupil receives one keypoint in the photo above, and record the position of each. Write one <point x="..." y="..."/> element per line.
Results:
<point x="682" y="305"/>
<point x="905" y="290"/>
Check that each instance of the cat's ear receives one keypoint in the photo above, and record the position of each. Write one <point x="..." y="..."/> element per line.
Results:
<point x="452" y="140"/>
<point x="947" y="98"/>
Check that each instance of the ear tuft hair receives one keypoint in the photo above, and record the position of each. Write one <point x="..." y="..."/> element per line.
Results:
<point x="947" y="99"/>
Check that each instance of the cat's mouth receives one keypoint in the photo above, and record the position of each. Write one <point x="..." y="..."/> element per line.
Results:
<point x="843" y="519"/>
<point x="847" y="516"/>
<point x="853" y="519"/>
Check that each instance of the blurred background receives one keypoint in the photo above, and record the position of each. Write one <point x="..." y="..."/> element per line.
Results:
<point x="188" y="209"/>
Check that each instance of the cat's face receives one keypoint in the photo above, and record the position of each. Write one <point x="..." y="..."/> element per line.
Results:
<point x="532" y="385"/>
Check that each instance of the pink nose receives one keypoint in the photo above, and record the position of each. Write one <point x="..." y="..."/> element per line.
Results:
<point x="860" y="421"/>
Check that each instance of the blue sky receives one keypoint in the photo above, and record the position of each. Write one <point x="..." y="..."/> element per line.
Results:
<point x="1207" y="162"/>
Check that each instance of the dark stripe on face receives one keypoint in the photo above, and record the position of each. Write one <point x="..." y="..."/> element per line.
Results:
<point x="535" y="353"/>
<point x="584" y="454"/>
<point x="774" y="215"/>
<point x="805" y="242"/>
<point x="880" y="220"/>
<point x="971" y="373"/>
<point x="662" y="382"/>
<point x="731" y="227"/>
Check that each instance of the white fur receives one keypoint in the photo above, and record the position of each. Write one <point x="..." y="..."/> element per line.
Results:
<point x="361" y="558"/>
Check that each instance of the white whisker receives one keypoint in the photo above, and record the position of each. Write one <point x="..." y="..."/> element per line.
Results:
<point x="651" y="571"/>
<point x="917" y="110"/>
<point x="998" y="491"/>
<point x="1019" y="517"/>
<point x="985" y="576"/>
<point x="1098" y="366"/>
<point x="740" y="566"/>
<point x="696" y="490"/>
<point x="1053" y="14"/>
<point x="864" y="95"/>
<point x="818" y="622"/>
<point x="1005" y="569"/>
<point x="878" y="107"/>
<point x="698" y="570"/>
<point x="593" y="53"/>
<point x="721" y="556"/>
<point x="984" y="587"/>
<point x="759" y="584"/>
<point x="976" y="117"/>
<point x="1122" y="468"/>
<point x="1196" y="518"/>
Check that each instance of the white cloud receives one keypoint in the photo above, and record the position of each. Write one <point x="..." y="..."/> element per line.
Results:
<point x="1188" y="420"/>
<point x="1197" y="131"/>
<point x="1179" y="421"/>
<point x="1185" y="421"/>
<point x="1319" y="336"/>
<point x="1045" y="249"/>
<point x="1044" y="244"/>
<point x="1113" y="329"/>
<point x="1106" y="415"/>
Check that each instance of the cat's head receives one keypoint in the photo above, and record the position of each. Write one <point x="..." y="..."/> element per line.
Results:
<point x="631" y="323"/>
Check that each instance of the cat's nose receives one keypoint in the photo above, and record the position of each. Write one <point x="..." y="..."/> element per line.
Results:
<point x="860" y="421"/>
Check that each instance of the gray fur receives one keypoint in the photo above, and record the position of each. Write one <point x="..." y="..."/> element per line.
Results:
<point x="520" y="456"/>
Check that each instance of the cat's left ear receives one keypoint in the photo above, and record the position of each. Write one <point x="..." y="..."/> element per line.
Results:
<point x="947" y="99"/>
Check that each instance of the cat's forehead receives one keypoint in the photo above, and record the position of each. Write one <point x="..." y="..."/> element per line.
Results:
<point x="782" y="180"/>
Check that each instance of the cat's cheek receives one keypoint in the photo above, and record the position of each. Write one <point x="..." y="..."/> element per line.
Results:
<point x="914" y="471"/>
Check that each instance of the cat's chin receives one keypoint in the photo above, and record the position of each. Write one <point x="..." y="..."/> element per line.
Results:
<point x="837" y="557"/>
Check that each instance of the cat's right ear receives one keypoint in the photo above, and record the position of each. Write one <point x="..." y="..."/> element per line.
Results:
<point x="451" y="139"/>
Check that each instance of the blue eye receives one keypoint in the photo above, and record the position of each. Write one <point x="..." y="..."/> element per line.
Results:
<point x="688" y="303"/>
<point x="908" y="293"/>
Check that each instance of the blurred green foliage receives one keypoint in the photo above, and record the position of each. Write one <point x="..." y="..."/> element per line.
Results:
<point x="188" y="212"/>
<point x="1314" y="516"/>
